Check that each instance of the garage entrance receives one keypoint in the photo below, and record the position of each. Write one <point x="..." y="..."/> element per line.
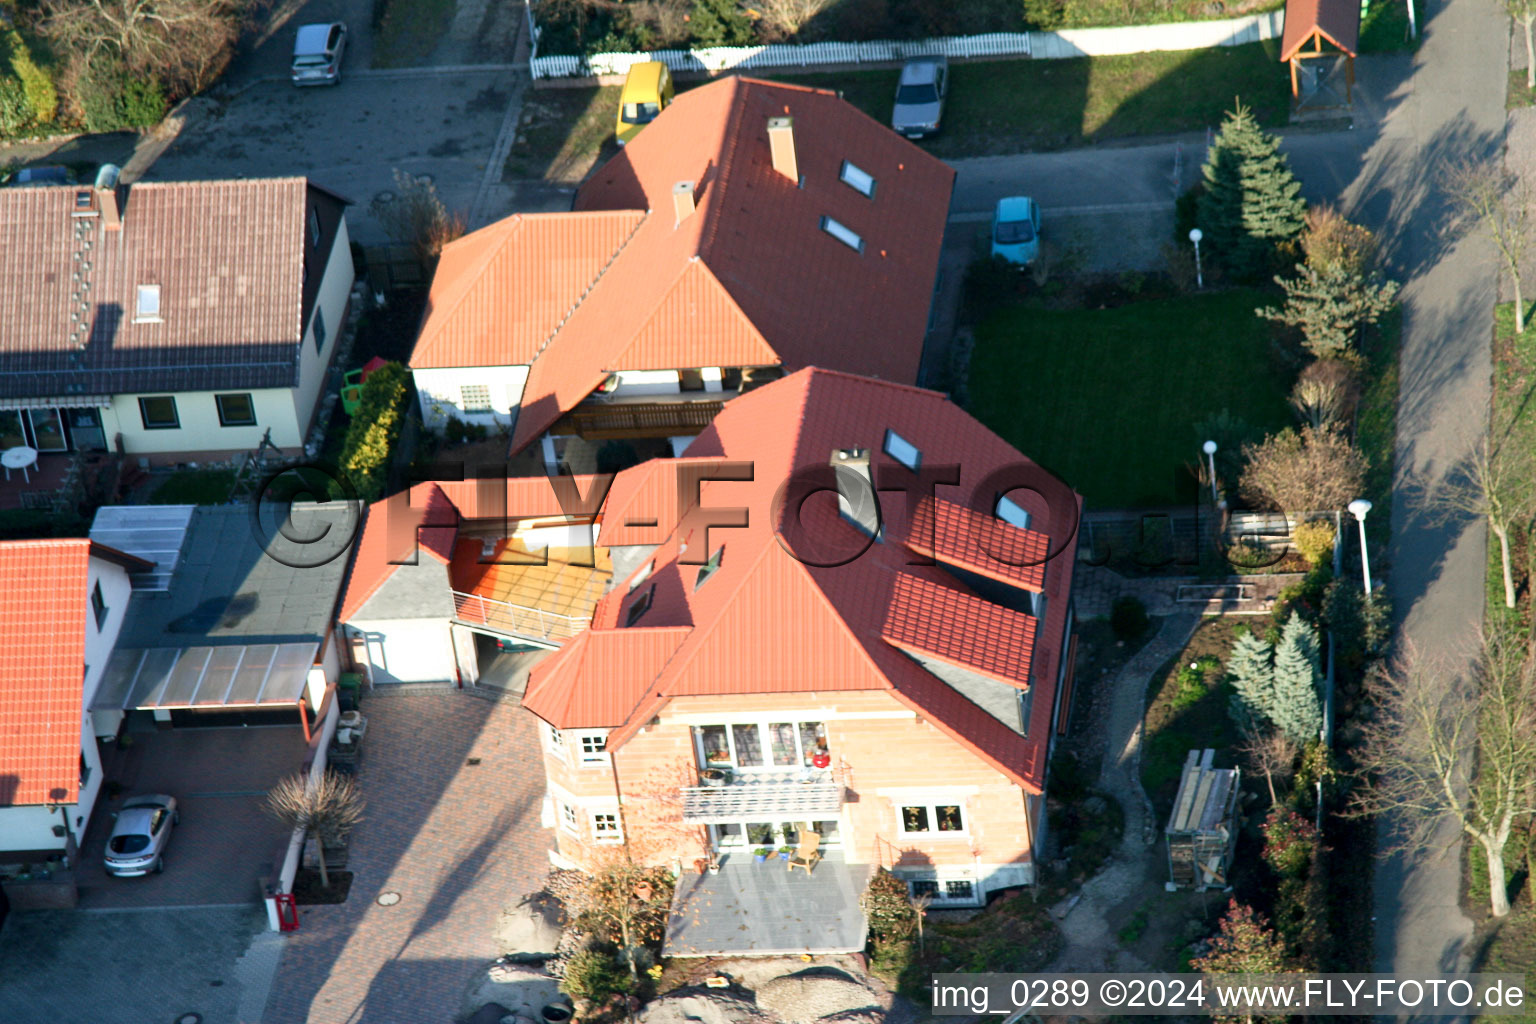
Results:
<point x="504" y="662"/>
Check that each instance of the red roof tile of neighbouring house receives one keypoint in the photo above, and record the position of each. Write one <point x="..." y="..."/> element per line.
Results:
<point x="749" y="278"/>
<point x="44" y="603"/>
<point x="762" y="619"/>
<point x="228" y="258"/>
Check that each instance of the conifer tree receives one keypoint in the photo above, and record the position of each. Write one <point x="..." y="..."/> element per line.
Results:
<point x="1252" y="202"/>
<point x="1253" y="677"/>
<point x="1297" y="709"/>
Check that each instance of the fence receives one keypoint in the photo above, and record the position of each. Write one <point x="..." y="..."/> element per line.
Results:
<point x="1176" y="538"/>
<point x="1081" y="42"/>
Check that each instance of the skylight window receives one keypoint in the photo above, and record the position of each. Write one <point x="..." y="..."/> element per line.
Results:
<point x="857" y="179"/>
<point x="843" y="234"/>
<point x="902" y="450"/>
<point x="1012" y="514"/>
<point x="147" y="305"/>
<point x="709" y="568"/>
<point x="641" y="605"/>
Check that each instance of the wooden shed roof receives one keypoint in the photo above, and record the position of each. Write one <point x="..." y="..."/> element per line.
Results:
<point x="1337" y="21"/>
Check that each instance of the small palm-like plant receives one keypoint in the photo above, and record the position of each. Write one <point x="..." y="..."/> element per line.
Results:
<point x="327" y="810"/>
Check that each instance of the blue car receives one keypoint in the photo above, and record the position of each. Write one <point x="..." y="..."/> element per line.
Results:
<point x="1016" y="230"/>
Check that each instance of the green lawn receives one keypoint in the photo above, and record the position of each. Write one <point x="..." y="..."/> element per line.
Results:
<point x="1014" y="106"/>
<point x="564" y="134"/>
<point x="1376" y="420"/>
<point x="1191" y="714"/>
<point x="1109" y="399"/>
<point x="409" y="31"/>
<point x="1385" y="26"/>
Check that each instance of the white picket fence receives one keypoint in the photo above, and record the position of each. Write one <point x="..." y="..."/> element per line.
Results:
<point x="1079" y="42"/>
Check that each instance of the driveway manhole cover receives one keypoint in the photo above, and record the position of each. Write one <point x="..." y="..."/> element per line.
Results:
<point x="388" y="899"/>
<point x="385" y="196"/>
<point x="190" y="1018"/>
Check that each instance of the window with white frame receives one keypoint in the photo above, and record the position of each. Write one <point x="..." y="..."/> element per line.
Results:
<point x="146" y="305"/>
<point x="938" y="818"/>
<point x="605" y="827"/>
<point x="902" y="450"/>
<point x="943" y="890"/>
<point x="553" y="741"/>
<point x="475" y="397"/>
<point x="857" y="179"/>
<point x="762" y="745"/>
<point x="568" y="819"/>
<point x="843" y="233"/>
<point x="593" y="747"/>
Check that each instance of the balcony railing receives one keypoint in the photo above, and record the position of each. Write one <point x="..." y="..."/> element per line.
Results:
<point x="598" y="420"/>
<point x="516" y="619"/>
<point x="809" y="794"/>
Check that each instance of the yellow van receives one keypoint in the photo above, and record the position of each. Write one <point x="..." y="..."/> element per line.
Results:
<point x="647" y="91"/>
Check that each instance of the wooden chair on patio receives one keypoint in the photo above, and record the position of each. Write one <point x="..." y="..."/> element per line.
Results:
<point x="808" y="854"/>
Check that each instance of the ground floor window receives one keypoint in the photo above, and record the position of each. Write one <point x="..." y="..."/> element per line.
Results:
<point x="605" y="827"/>
<point x="947" y="890"/>
<point x="757" y="834"/>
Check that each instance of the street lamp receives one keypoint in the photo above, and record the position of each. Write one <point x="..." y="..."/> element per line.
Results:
<point x="1195" y="234"/>
<point x="1358" y="508"/>
<point x="1210" y="460"/>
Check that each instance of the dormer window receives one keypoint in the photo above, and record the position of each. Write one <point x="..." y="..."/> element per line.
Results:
<point x="902" y="450"/>
<point x="640" y="606"/>
<point x="709" y="568"/>
<point x="1010" y="513"/>
<point x="857" y="179"/>
<point x="146" y="307"/>
<point x="843" y="234"/>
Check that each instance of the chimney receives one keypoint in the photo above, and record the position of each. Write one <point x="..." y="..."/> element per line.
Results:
<point x="781" y="143"/>
<point x="106" y="197"/>
<point x="856" y="498"/>
<point x="682" y="201"/>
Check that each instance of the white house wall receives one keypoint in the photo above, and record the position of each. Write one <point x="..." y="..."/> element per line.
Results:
<point x="647" y="382"/>
<point x="331" y="305"/>
<point x="30" y="827"/>
<point x="406" y="650"/>
<point x="200" y="429"/>
<point x="440" y="393"/>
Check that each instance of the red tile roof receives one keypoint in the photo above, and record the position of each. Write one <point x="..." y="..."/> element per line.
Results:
<point x="748" y="279"/>
<point x="960" y="629"/>
<point x="228" y="257"/>
<point x="630" y="659"/>
<point x="975" y="541"/>
<point x="43" y="608"/>
<point x="766" y="621"/>
<point x="1338" y="21"/>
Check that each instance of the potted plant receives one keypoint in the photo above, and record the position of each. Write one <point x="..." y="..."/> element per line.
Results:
<point x="761" y="853"/>
<point x="714" y="865"/>
<point x="715" y="777"/>
<point x="785" y="851"/>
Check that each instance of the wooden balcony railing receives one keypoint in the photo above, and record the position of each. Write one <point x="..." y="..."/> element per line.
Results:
<point x="597" y="420"/>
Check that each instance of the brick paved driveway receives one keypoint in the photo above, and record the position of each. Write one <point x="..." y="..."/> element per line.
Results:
<point x="225" y="842"/>
<point x="458" y="842"/>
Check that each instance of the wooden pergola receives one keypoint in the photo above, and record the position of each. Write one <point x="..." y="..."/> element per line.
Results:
<point x="1315" y="22"/>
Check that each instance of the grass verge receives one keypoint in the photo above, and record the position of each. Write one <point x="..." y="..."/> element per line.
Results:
<point x="1514" y="387"/>
<point x="564" y="134"/>
<point x="1109" y="399"/>
<point x="1376" y="423"/>
<point x="1384" y="27"/>
<point x="1518" y="95"/>
<point x="409" y="30"/>
<point x="1017" y="106"/>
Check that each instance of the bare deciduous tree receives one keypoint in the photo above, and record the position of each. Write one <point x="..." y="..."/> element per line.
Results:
<point x="788" y="17"/>
<point x="1325" y="394"/>
<point x="1500" y="203"/>
<point x="1273" y="754"/>
<point x="1492" y="482"/>
<point x="184" y="42"/>
<point x="417" y="217"/>
<point x="1311" y="470"/>
<point x="326" y="811"/>
<point x="1433" y="728"/>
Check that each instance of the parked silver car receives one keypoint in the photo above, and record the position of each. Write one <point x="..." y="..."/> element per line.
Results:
<point x="920" y="96"/>
<point x="140" y="835"/>
<point x="317" y="51"/>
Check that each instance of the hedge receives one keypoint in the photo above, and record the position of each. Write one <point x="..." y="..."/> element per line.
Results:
<point x="370" y="441"/>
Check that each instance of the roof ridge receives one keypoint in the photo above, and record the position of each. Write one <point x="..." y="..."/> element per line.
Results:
<point x="469" y="277"/>
<point x="666" y="294"/>
<point x="729" y="138"/>
<point x="602" y="272"/>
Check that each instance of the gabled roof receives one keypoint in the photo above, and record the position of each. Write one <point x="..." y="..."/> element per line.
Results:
<point x="1337" y="21"/>
<point x="43" y="607"/>
<point x="793" y="605"/>
<point x="750" y="278"/>
<point x="227" y="256"/>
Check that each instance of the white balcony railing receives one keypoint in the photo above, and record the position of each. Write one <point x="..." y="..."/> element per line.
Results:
<point x="808" y="794"/>
<point x="516" y="619"/>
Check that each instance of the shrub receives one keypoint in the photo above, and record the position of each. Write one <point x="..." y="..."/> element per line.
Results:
<point x="887" y="907"/>
<point x="989" y="283"/>
<point x="1128" y="618"/>
<point x="15" y="114"/>
<point x="1314" y="540"/>
<point x="111" y="99"/>
<point x="369" y="443"/>
<point x="595" y="975"/>
<point x="1045" y="15"/>
<point x="720" y="23"/>
<point x="42" y="99"/>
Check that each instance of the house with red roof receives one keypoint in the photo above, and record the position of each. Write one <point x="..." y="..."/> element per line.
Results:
<point x="847" y="610"/>
<point x="62" y="605"/>
<point x="754" y="228"/>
